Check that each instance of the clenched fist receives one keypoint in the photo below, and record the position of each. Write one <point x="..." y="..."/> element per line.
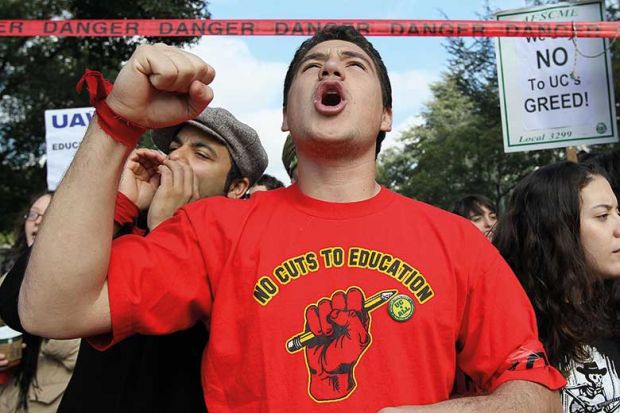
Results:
<point x="340" y="326"/>
<point x="161" y="86"/>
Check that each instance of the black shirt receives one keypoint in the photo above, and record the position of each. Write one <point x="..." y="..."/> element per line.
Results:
<point x="140" y="374"/>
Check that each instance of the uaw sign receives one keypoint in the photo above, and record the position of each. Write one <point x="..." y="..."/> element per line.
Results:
<point x="64" y="130"/>
<point x="555" y="92"/>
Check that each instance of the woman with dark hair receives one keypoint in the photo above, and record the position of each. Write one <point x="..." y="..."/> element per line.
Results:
<point x="561" y="236"/>
<point x="480" y="211"/>
<point x="37" y="383"/>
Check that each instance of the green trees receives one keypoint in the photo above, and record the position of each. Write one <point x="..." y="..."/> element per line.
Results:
<point x="456" y="151"/>
<point x="40" y="73"/>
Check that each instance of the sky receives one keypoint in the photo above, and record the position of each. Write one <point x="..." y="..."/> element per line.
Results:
<point x="250" y="70"/>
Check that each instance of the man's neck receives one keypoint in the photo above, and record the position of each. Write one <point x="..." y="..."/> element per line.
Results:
<point x="334" y="181"/>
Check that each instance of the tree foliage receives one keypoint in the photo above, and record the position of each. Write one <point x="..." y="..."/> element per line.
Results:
<point x="458" y="147"/>
<point x="457" y="150"/>
<point x="40" y="73"/>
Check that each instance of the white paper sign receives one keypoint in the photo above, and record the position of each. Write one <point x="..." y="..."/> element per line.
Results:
<point x="64" y="130"/>
<point x="555" y="92"/>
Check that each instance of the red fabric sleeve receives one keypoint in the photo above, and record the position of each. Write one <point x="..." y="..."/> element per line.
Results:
<point x="157" y="284"/>
<point x="125" y="211"/>
<point x="499" y="336"/>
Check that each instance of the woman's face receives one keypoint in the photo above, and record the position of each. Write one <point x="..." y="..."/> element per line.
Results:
<point x="485" y="221"/>
<point x="600" y="228"/>
<point x="34" y="217"/>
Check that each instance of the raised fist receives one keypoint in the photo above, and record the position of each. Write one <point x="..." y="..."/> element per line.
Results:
<point x="161" y="86"/>
<point x="340" y="327"/>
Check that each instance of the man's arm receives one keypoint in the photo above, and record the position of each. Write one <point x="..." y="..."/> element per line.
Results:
<point x="511" y="397"/>
<point x="67" y="267"/>
<point x="64" y="293"/>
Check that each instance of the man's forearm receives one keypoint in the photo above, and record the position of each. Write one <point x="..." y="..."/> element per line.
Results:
<point x="64" y="293"/>
<point x="68" y="266"/>
<point x="511" y="397"/>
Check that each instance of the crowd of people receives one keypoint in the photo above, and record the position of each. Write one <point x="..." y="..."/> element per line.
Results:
<point x="198" y="282"/>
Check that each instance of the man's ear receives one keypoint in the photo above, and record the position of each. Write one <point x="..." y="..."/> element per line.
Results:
<point x="238" y="188"/>
<point x="386" y="120"/>
<point x="284" y="127"/>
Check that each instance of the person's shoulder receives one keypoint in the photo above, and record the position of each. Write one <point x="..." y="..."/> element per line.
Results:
<point x="221" y="205"/>
<point x="273" y="195"/>
<point x="427" y="211"/>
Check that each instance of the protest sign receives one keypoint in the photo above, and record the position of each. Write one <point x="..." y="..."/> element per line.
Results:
<point x="64" y="130"/>
<point x="555" y="92"/>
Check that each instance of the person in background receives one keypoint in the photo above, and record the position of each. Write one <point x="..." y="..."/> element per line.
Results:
<point x="37" y="383"/>
<point x="289" y="158"/>
<point x="266" y="183"/>
<point x="27" y="226"/>
<point x="480" y="211"/>
<point x="561" y="236"/>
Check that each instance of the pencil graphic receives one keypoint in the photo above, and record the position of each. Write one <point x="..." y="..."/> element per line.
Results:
<point x="301" y="340"/>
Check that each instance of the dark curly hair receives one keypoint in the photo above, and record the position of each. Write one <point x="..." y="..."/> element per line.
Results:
<point x="539" y="236"/>
<point x="347" y="34"/>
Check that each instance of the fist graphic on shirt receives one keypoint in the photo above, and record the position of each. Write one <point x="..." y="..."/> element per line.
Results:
<point x="340" y="326"/>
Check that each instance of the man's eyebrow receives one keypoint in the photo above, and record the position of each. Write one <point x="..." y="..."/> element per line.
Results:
<point x="349" y="54"/>
<point x="196" y="144"/>
<point x="357" y="55"/>
<point x="205" y="145"/>
<point x="314" y="56"/>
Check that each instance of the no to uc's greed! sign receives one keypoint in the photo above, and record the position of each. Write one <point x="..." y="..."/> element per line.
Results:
<point x="556" y="92"/>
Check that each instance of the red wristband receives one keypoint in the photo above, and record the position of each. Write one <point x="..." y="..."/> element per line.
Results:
<point x="119" y="128"/>
<point x="125" y="211"/>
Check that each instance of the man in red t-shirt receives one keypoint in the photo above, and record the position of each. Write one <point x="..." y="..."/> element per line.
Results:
<point x="331" y="295"/>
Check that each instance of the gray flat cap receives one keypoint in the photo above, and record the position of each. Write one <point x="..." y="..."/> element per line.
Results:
<point x="241" y="140"/>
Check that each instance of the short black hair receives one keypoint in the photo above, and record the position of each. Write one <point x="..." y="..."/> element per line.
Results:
<point x="269" y="182"/>
<point x="347" y="34"/>
<point x="472" y="205"/>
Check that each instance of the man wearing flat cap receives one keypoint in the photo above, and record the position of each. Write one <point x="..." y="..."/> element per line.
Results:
<point x="225" y="157"/>
<point x="216" y="135"/>
<point x="210" y="155"/>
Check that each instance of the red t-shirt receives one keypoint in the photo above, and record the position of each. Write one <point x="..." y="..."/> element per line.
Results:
<point x="317" y="306"/>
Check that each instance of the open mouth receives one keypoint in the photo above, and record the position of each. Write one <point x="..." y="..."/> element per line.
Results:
<point x="329" y="98"/>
